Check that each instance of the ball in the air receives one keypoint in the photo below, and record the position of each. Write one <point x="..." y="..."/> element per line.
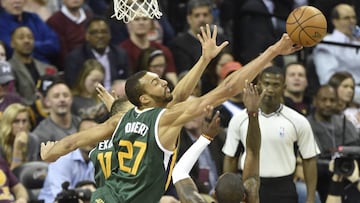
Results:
<point x="306" y="26"/>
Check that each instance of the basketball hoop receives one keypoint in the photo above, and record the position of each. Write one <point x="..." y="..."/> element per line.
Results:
<point x="127" y="10"/>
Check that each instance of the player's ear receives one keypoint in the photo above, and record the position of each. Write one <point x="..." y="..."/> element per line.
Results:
<point x="144" y="99"/>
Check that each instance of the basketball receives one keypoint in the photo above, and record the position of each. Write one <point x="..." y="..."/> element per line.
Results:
<point x="306" y="26"/>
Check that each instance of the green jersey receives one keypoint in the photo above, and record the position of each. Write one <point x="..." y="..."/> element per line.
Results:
<point x="103" y="158"/>
<point x="143" y="166"/>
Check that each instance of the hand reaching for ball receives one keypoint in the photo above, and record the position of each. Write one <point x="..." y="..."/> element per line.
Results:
<point x="286" y="46"/>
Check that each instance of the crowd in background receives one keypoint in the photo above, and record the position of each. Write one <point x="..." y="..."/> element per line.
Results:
<point x="53" y="53"/>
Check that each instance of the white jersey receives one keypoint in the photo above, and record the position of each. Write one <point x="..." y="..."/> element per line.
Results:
<point x="279" y="131"/>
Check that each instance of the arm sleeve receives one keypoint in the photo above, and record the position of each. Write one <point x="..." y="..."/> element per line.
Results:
<point x="187" y="161"/>
<point x="306" y="140"/>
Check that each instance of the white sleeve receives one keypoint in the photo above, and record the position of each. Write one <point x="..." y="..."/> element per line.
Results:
<point x="232" y="140"/>
<point x="188" y="159"/>
<point x="306" y="140"/>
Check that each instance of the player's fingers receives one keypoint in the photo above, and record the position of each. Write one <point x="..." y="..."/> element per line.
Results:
<point x="203" y="33"/>
<point x="224" y="44"/>
<point x="208" y="32"/>
<point x="201" y="40"/>
<point x="214" y="34"/>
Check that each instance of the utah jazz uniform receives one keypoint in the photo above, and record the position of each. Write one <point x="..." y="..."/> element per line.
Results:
<point x="103" y="158"/>
<point x="143" y="165"/>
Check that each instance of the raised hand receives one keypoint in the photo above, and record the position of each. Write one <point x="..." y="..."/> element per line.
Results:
<point x="208" y="42"/>
<point x="211" y="125"/>
<point x="251" y="97"/>
<point x="286" y="46"/>
<point x="21" y="140"/>
<point x="107" y="98"/>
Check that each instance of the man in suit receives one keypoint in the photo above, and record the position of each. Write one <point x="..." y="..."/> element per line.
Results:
<point x="27" y="69"/>
<point x="97" y="46"/>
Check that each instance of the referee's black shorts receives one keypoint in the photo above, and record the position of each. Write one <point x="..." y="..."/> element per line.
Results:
<point x="278" y="190"/>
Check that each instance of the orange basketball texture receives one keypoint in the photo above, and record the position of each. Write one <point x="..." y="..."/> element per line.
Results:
<point x="306" y="26"/>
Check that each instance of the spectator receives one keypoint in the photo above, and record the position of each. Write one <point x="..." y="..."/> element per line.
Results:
<point x="39" y="7"/>
<point x="39" y="110"/>
<point x="330" y="131"/>
<point x="254" y="18"/>
<point x="6" y="96"/>
<point x="138" y="40"/>
<point x="344" y="85"/>
<point x="295" y="98"/>
<point x="85" y="100"/>
<point x="73" y="168"/>
<point x="233" y="105"/>
<point x="27" y="69"/>
<point x="154" y="60"/>
<point x="185" y="47"/>
<point x="329" y="59"/>
<point x="60" y="122"/>
<point x="212" y="77"/>
<point x="46" y="45"/>
<point x="97" y="46"/>
<point x="296" y="84"/>
<point x="2" y="51"/>
<point x="208" y="167"/>
<point x="11" y="189"/>
<point x="70" y="25"/>
<point x="282" y="128"/>
<point x="18" y="145"/>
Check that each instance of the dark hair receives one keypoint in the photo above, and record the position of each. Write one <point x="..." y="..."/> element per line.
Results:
<point x="338" y="77"/>
<point x="56" y="82"/>
<point x="134" y="89"/>
<point x="96" y="19"/>
<point x="323" y="87"/>
<point x="272" y="70"/>
<point x="19" y="27"/>
<point x="229" y="188"/>
<point x="147" y="56"/>
<point x="88" y="66"/>
<point x="84" y="120"/>
<point x="192" y="4"/>
<point x="210" y="71"/>
<point x="294" y="63"/>
<point x="119" y="105"/>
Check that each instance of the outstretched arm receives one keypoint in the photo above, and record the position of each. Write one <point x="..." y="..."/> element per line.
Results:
<point x="251" y="99"/>
<point x="209" y="51"/>
<point x="184" y="185"/>
<point x="51" y="151"/>
<point x="284" y="46"/>
<point x="172" y="119"/>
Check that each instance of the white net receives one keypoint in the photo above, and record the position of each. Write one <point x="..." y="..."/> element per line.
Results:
<point x="127" y="10"/>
